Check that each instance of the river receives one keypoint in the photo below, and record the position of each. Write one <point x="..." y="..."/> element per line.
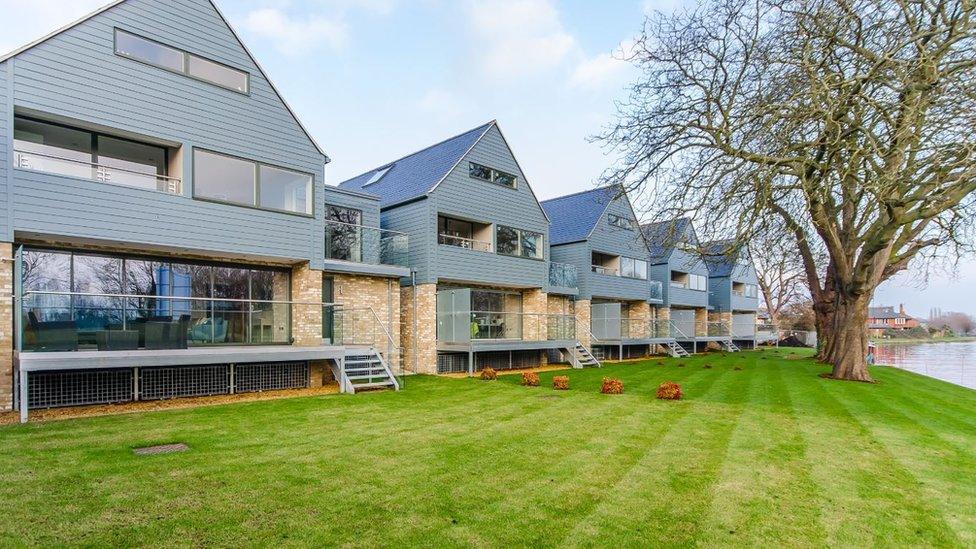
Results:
<point x="952" y="362"/>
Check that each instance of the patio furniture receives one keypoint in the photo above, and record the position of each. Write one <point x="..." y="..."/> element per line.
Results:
<point x="117" y="340"/>
<point x="167" y="334"/>
<point x="54" y="335"/>
<point x="209" y="330"/>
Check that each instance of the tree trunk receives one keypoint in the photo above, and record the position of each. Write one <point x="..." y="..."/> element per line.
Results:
<point x="824" y="307"/>
<point x="848" y="344"/>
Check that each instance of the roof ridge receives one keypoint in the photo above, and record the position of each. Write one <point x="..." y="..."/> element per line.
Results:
<point x="418" y="151"/>
<point x="577" y="193"/>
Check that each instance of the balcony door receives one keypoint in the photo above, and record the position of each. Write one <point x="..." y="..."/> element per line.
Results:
<point x="454" y="315"/>
<point x="605" y="320"/>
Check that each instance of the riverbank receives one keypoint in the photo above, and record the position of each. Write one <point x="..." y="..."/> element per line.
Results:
<point x="963" y="339"/>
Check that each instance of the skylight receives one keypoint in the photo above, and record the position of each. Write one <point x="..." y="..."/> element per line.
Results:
<point x="378" y="175"/>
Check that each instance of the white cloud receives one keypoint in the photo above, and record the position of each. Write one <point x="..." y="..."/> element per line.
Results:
<point x="517" y="37"/>
<point x="293" y="35"/>
<point x="604" y="69"/>
<point x="28" y="20"/>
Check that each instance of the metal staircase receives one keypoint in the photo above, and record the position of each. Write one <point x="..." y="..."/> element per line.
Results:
<point x="583" y="357"/>
<point x="677" y="350"/>
<point x="365" y="369"/>
<point x="730" y="346"/>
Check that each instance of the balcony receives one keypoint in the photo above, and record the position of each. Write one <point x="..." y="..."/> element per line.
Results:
<point x="600" y="269"/>
<point x="103" y="173"/>
<point x="366" y="245"/>
<point x="466" y="243"/>
<point x="467" y="326"/>
<point x="563" y="275"/>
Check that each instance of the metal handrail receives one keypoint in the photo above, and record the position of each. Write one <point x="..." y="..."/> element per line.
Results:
<point x="598" y="269"/>
<point x="178" y="189"/>
<point x="472" y="244"/>
<point x="181" y="298"/>
<point x="358" y="226"/>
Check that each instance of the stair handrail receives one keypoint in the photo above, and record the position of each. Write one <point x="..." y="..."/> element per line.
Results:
<point x="677" y="329"/>
<point x="389" y="337"/>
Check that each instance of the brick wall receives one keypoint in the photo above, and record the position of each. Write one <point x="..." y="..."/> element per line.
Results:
<point x="701" y="322"/>
<point x="423" y="342"/>
<point x="306" y="323"/>
<point x="583" y="322"/>
<point x="6" y="326"/>
<point x="358" y="294"/>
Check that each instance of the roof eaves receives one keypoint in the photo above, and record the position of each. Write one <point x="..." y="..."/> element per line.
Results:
<point x="58" y="31"/>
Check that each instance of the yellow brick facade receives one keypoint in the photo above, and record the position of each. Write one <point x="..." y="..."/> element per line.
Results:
<point x="6" y="326"/>
<point x="306" y="323"/>
<point x="582" y="312"/>
<point x="419" y="338"/>
<point x="365" y="300"/>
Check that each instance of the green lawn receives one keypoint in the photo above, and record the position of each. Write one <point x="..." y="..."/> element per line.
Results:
<point x="767" y="455"/>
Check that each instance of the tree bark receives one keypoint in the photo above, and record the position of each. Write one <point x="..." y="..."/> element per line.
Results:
<point x="848" y="345"/>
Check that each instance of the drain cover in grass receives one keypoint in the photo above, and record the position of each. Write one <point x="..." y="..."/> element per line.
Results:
<point x="161" y="449"/>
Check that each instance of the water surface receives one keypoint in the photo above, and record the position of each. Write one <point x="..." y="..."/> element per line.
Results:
<point x="952" y="362"/>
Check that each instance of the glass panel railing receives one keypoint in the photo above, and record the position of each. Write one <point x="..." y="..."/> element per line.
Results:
<point x="466" y="243"/>
<point x="369" y="245"/>
<point x="604" y="270"/>
<point x="717" y="329"/>
<point x="563" y="275"/>
<point x="41" y="162"/>
<point x="493" y="325"/>
<point x="642" y="328"/>
<point x="657" y="292"/>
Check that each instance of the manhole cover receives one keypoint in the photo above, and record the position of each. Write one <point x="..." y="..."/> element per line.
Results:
<point x="161" y="449"/>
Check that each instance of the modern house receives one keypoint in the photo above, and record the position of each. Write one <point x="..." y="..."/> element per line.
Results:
<point x="676" y="257"/>
<point x="887" y="318"/>
<point x="597" y="233"/>
<point x="733" y="290"/>
<point x="163" y="222"/>
<point x="481" y="293"/>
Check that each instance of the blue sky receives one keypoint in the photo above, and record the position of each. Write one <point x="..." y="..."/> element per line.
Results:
<point x="376" y="79"/>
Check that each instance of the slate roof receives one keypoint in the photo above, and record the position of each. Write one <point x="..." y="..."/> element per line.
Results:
<point x="885" y="312"/>
<point x="718" y="259"/>
<point x="416" y="174"/>
<point x="573" y="217"/>
<point x="662" y="236"/>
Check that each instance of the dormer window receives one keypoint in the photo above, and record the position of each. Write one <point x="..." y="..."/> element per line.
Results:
<point x="378" y="175"/>
<point x="491" y="175"/>
<point x="178" y="61"/>
<point x="620" y="222"/>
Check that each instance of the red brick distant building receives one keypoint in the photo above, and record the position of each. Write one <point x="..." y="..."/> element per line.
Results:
<point x="886" y="318"/>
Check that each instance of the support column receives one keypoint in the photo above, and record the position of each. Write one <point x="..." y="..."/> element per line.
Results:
<point x="306" y="323"/>
<point x="582" y="314"/>
<point x="418" y="333"/>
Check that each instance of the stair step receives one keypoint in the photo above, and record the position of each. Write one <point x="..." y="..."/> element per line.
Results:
<point x="375" y="384"/>
<point x="367" y="376"/>
<point x="365" y="371"/>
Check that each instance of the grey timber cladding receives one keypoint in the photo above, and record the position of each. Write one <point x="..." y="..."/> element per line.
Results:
<point x="609" y="239"/>
<point x="76" y="77"/>
<point x="6" y="129"/>
<point x="680" y="260"/>
<point x="462" y="196"/>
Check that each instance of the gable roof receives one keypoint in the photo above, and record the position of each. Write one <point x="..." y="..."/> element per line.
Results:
<point x="417" y="173"/>
<point x="663" y="236"/>
<point x="886" y="311"/>
<point x="573" y="217"/>
<point x="720" y="258"/>
<point x="220" y="14"/>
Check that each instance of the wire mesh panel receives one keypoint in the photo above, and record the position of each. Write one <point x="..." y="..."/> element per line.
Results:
<point x="183" y="381"/>
<point x="270" y="376"/>
<point x="452" y="363"/>
<point x="78" y="387"/>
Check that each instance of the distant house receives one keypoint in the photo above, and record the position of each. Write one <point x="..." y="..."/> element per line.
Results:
<point x="886" y="318"/>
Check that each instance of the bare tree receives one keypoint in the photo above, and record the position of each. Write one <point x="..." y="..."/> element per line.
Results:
<point x="851" y="120"/>
<point x="779" y="272"/>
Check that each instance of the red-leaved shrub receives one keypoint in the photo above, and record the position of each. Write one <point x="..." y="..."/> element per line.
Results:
<point x="560" y="383"/>
<point x="489" y="374"/>
<point x="669" y="390"/>
<point x="612" y="386"/>
<point x="530" y="379"/>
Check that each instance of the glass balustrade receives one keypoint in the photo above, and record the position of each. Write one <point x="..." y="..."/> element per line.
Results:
<point x="563" y="275"/>
<point x="370" y="245"/>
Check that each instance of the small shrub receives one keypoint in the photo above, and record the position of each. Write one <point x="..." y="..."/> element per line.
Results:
<point x="612" y="386"/>
<point x="489" y="374"/>
<point x="560" y="383"/>
<point x="681" y="365"/>
<point x="530" y="379"/>
<point x="669" y="390"/>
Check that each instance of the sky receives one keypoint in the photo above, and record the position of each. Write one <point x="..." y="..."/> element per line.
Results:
<point x="374" y="80"/>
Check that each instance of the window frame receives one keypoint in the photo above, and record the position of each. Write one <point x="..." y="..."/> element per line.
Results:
<point x="614" y="220"/>
<point x="518" y="243"/>
<point x="492" y="175"/>
<point x="185" y="70"/>
<point x="257" y="184"/>
<point x="691" y="284"/>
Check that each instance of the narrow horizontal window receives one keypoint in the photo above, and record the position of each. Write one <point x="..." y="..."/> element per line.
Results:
<point x="620" y="222"/>
<point x="179" y="61"/>
<point x="484" y="173"/>
<point x="147" y="51"/>
<point x="218" y="74"/>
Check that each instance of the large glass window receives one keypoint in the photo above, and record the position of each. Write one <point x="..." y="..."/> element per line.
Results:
<point x="224" y="178"/>
<point x="697" y="282"/>
<point x="218" y="74"/>
<point x="519" y="242"/>
<point x="179" y="61"/>
<point x="48" y="147"/>
<point x="633" y="268"/>
<point x="148" y="51"/>
<point x="344" y="235"/>
<point x="620" y="222"/>
<point x="496" y="315"/>
<point x="248" y="183"/>
<point x="160" y="317"/>
<point x="285" y="190"/>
